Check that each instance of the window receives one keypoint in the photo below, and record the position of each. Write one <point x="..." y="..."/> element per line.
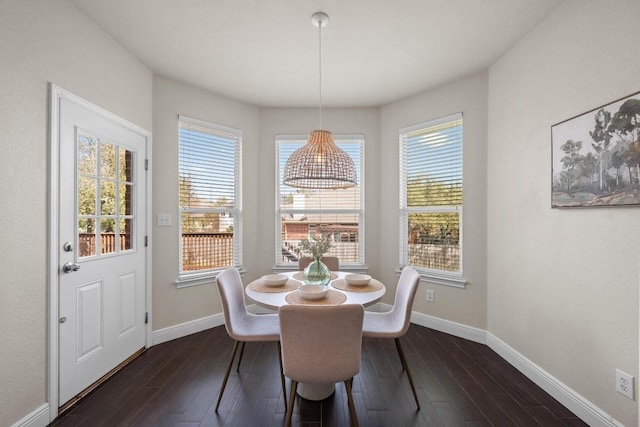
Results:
<point x="431" y="199"/>
<point x="210" y="198"/>
<point x="306" y="213"/>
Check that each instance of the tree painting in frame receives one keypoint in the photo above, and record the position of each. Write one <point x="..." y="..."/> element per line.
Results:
<point x="596" y="157"/>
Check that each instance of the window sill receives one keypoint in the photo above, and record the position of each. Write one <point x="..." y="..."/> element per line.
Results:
<point x="441" y="279"/>
<point x="198" y="279"/>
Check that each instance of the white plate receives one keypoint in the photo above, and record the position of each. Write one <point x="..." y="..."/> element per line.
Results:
<point x="313" y="292"/>
<point x="273" y="280"/>
<point x="357" y="279"/>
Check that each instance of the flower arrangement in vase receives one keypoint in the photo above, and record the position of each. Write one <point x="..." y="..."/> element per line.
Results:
<point x="316" y="272"/>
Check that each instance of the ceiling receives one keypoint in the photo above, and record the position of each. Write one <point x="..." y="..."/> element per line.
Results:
<point x="266" y="52"/>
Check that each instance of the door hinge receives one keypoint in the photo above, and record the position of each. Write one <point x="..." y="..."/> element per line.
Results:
<point x="146" y="318"/>
<point x="146" y="241"/>
<point x="146" y="164"/>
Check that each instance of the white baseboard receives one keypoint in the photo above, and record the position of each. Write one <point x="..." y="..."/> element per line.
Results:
<point x="37" y="418"/>
<point x="456" y="329"/>
<point x="587" y="411"/>
<point x="186" y="328"/>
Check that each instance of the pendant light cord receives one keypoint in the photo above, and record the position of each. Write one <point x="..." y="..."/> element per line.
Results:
<point x="320" y="69"/>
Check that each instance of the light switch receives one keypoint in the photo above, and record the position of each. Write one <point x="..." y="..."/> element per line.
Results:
<point x="164" y="220"/>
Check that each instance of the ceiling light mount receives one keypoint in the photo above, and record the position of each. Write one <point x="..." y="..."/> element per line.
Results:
<point x="320" y="19"/>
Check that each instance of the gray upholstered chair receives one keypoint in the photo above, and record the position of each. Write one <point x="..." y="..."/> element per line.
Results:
<point x="243" y="326"/>
<point x="395" y="323"/>
<point x="332" y="262"/>
<point x="321" y="344"/>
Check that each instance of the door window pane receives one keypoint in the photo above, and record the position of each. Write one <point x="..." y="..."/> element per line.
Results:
<point x="107" y="236"/>
<point x="107" y="160"/>
<point x="87" y="155"/>
<point x="86" y="237"/>
<point x="126" y="165"/>
<point x="108" y="198"/>
<point x="126" y="199"/>
<point x="126" y="233"/>
<point x="87" y="196"/>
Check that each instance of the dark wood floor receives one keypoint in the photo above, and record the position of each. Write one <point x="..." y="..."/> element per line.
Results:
<point x="459" y="383"/>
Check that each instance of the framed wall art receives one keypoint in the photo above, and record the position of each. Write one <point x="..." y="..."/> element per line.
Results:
<point x="596" y="157"/>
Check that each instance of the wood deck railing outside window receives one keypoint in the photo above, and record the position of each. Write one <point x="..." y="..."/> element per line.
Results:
<point x="203" y="251"/>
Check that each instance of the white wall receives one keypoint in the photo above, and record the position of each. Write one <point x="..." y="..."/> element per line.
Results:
<point x="42" y="42"/>
<point x="172" y="306"/>
<point x="563" y="284"/>
<point x="468" y="96"/>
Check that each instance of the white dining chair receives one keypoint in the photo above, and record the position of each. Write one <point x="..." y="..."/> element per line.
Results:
<point x="332" y="262"/>
<point x="321" y="344"/>
<point x="395" y="323"/>
<point x="243" y="326"/>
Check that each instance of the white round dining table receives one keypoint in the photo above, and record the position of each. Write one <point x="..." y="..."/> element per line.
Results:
<point x="273" y="300"/>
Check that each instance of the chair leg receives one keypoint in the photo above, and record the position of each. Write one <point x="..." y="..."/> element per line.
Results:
<point x="292" y="399"/>
<point x="226" y="375"/>
<point x="241" y="353"/>
<point x="405" y="365"/>
<point x="352" y="408"/>
<point x="284" y="386"/>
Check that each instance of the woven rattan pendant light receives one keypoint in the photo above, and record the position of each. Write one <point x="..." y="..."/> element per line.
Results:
<point x="320" y="163"/>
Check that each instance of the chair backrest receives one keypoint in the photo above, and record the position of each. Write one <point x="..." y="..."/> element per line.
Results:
<point x="321" y="344"/>
<point x="332" y="262"/>
<point x="303" y="261"/>
<point x="231" y="291"/>
<point x="405" y="294"/>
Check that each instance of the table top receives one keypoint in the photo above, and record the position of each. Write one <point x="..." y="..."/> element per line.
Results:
<point x="277" y="297"/>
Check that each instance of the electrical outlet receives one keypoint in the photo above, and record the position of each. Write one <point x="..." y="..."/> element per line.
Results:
<point x="430" y="295"/>
<point x="624" y="384"/>
<point x="164" y="220"/>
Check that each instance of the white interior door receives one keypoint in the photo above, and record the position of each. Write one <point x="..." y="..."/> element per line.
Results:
<point x="102" y="254"/>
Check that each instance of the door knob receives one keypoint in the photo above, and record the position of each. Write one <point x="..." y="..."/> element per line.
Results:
<point x="70" y="266"/>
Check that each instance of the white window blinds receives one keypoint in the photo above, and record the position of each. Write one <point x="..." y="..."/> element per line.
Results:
<point x="434" y="164"/>
<point x="210" y="184"/>
<point x="431" y="195"/>
<point x="208" y="165"/>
